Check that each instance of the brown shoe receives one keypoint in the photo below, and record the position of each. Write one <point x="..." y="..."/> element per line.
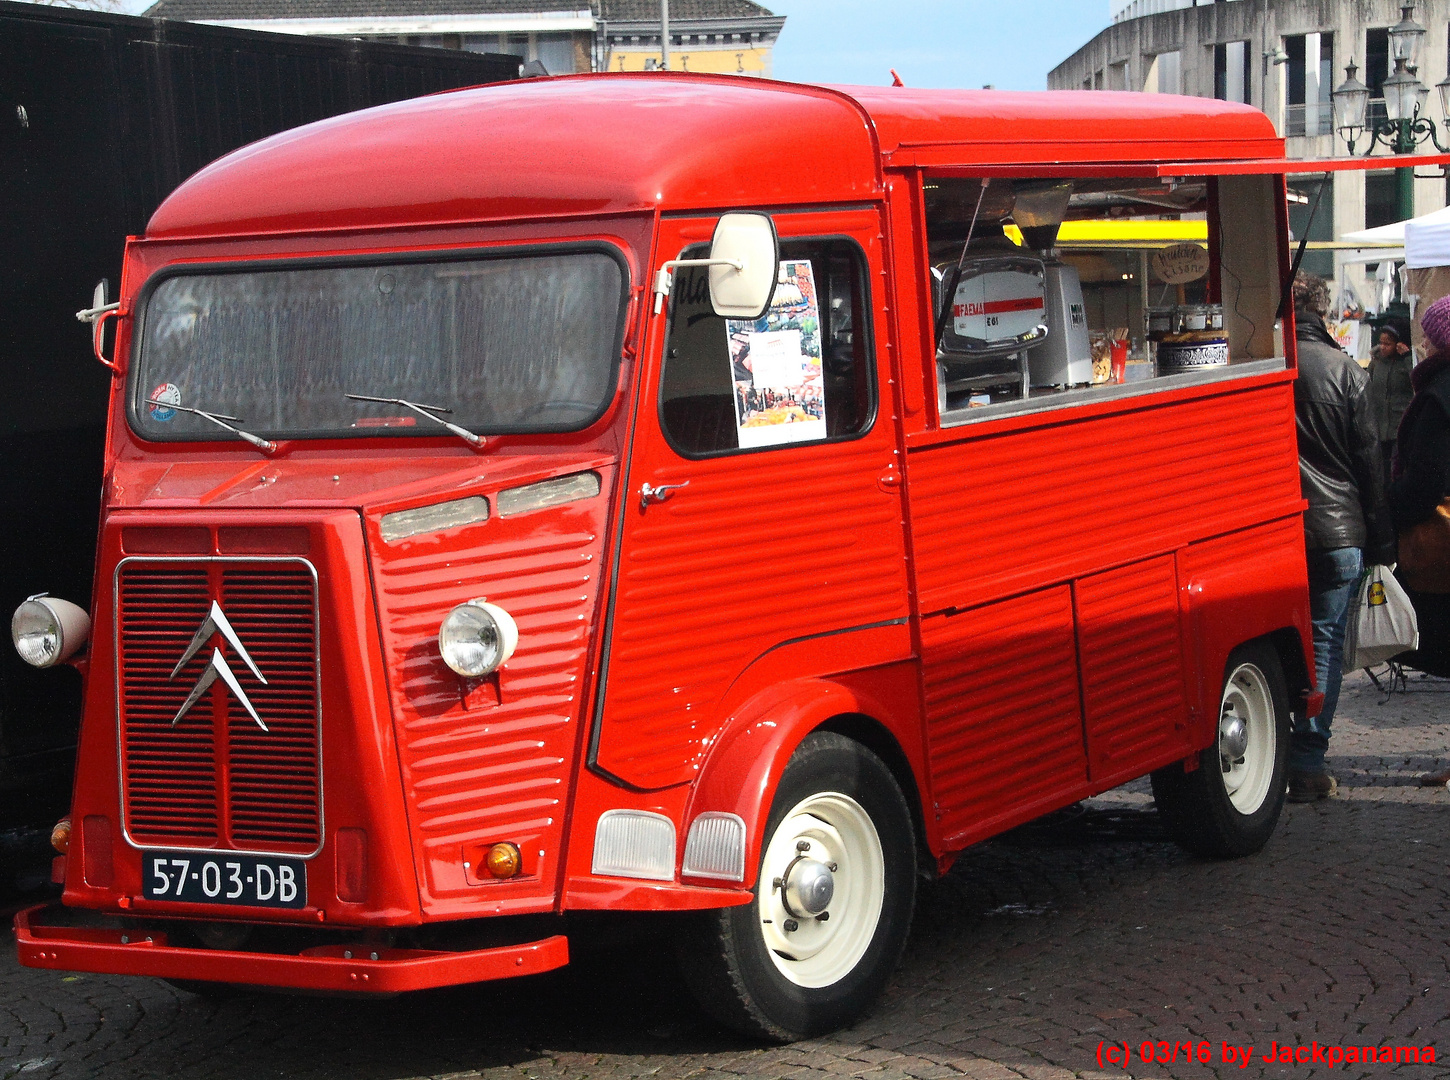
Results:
<point x="1311" y="787"/>
<point x="1439" y="779"/>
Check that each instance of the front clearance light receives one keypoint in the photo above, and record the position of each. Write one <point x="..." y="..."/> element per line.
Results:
<point x="48" y="631"/>
<point x="477" y="638"/>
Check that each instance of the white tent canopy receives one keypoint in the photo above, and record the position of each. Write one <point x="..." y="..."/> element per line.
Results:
<point x="1426" y="239"/>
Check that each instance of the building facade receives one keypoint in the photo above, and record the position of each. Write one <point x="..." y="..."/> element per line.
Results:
<point x="564" y="36"/>
<point x="1284" y="57"/>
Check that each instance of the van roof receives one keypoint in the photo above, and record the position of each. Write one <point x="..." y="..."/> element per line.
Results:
<point x="617" y="143"/>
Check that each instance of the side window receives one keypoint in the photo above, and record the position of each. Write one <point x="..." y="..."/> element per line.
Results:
<point x="1054" y="291"/>
<point x="802" y="373"/>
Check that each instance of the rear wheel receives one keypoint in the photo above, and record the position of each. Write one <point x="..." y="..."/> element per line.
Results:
<point x="1231" y="803"/>
<point x="832" y="906"/>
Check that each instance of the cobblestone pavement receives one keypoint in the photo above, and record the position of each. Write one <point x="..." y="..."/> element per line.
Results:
<point x="1034" y="950"/>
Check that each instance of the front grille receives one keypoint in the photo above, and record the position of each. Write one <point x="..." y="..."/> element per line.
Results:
<point x="214" y="778"/>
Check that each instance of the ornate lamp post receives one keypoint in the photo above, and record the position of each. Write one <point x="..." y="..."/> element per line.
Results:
<point x="1403" y="128"/>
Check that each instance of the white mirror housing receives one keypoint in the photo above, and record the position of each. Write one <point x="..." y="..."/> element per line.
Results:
<point x="744" y="258"/>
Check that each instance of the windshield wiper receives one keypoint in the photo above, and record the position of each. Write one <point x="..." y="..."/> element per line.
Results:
<point x="430" y="411"/>
<point x="220" y="420"/>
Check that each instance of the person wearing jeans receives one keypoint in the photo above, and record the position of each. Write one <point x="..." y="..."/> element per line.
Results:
<point x="1347" y="522"/>
<point x="1334" y="575"/>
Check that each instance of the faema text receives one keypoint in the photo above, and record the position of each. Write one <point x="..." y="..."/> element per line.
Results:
<point x="1205" y="1052"/>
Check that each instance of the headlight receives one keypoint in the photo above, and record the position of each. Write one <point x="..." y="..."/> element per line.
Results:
<point x="47" y="631"/>
<point x="477" y="638"/>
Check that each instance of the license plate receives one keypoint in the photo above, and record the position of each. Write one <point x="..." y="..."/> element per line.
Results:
<point x="224" y="878"/>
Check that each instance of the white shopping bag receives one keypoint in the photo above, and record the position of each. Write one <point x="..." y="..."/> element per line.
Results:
<point x="1381" y="622"/>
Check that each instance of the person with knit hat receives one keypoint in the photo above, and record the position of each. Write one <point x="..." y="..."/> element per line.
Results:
<point x="1347" y="522"/>
<point x="1420" y="481"/>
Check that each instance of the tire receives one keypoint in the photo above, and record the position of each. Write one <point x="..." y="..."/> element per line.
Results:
<point x="745" y="965"/>
<point x="1229" y="806"/>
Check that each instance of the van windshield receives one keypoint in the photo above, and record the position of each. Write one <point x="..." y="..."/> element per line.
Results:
<point x="523" y="343"/>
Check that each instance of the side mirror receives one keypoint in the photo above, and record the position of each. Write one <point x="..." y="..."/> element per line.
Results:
<point x="98" y="324"/>
<point x="96" y="315"/>
<point x="744" y="257"/>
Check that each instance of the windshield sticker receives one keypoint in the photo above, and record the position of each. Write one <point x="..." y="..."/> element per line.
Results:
<point x="169" y="393"/>
<point x="776" y="364"/>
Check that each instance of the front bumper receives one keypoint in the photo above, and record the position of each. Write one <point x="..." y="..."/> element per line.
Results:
<point x="113" y="950"/>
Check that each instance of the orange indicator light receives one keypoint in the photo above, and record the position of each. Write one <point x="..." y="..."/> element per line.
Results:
<point x="504" y="860"/>
<point x="60" y="835"/>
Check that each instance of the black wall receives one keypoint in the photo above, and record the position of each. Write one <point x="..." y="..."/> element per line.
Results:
<point x="101" y="117"/>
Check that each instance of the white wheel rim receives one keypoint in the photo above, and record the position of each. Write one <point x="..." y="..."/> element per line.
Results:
<point x="838" y="831"/>
<point x="1246" y="777"/>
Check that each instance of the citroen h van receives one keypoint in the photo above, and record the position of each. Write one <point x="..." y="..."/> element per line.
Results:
<point x="681" y="494"/>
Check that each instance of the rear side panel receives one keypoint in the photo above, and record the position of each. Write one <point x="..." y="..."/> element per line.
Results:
<point x="1082" y="578"/>
<point x="998" y="511"/>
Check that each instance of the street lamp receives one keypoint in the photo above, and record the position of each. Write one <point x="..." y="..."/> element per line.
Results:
<point x="1403" y="128"/>
<point x="1406" y="36"/>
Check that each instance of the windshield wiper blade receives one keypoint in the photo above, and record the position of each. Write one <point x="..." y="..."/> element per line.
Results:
<point x="430" y="411"/>
<point x="220" y="420"/>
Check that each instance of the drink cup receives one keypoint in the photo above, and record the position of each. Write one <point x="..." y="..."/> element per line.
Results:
<point x="1118" y="355"/>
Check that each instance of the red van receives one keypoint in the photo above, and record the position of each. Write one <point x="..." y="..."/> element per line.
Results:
<point x="674" y="493"/>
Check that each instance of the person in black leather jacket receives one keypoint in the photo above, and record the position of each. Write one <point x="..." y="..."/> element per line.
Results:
<point x="1347" y="522"/>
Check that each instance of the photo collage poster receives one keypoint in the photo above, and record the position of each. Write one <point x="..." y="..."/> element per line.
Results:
<point x="776" y="364"/>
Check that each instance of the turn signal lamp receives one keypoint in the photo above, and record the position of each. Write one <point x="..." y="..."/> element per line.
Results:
<point x="504" y="860"/>
<point x="60" y="835"/>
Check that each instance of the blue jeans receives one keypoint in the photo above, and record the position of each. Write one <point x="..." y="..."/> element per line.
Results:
<point x="1333" y="579"/>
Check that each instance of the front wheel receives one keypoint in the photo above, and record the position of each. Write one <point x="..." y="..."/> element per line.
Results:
<point x="1231" y="803"/>
<point x="832" y="905"/>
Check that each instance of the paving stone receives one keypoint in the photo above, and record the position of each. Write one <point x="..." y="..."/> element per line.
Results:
<point x="1087" y="929"/>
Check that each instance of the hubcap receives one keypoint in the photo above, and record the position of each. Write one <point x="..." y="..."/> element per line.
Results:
<point x="808" y="887"/>
<point x="1247" y="738"/>
<point x="1233" y="735"/>
<point x="822" y="881"/>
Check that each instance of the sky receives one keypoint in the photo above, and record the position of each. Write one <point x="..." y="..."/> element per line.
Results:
<point x="1011" y="44"/>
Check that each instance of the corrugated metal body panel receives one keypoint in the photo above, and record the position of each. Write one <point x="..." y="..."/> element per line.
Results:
<point x="1004" y="723"/>
<point x="489" y="760"/>
<point x="1093" y="492"/>
<point x="759" y="549"/>
<point x="1132" y="667"/>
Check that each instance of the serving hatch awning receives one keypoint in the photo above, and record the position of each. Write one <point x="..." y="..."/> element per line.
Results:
<point x="1222" y="167"/>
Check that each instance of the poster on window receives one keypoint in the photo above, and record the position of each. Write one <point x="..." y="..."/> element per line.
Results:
<point x="776" y="364"/>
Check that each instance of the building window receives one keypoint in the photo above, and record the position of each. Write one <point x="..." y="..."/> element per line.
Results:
<point x="1231" y="71"/>
<point x="1301" y="201"/>
<point x="1376" y="70"/>
<point x="1310" y="82"/>
<point x="556" y="53"/>
<point x="1165" y="74"/>
<point x="1381" y="205"/>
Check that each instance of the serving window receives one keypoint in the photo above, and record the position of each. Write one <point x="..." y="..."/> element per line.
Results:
<point x="1048" y="292"/>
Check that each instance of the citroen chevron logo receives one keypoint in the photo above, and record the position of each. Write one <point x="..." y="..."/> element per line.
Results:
<point x="216" y="623"/>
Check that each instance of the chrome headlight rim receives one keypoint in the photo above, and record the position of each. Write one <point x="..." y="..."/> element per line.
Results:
<point x="46" y="630"/>
<point x="477" y="638"/>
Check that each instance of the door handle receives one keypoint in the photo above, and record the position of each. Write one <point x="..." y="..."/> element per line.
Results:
<point x="650" y="494"/>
